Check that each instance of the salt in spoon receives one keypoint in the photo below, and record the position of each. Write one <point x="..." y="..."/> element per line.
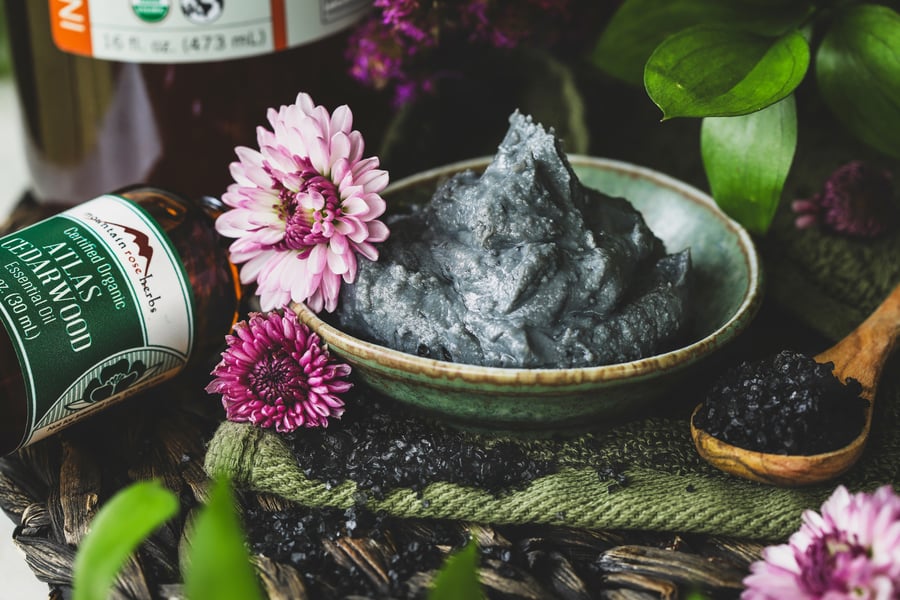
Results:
<point x="861" y="356"/>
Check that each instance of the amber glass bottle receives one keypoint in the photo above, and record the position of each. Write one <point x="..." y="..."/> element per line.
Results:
<point x="115" y="93"/>
<point x="106" y="299"/>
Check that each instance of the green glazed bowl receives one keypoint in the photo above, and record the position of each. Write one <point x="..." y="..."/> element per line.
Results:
<point x="727" y="294"/>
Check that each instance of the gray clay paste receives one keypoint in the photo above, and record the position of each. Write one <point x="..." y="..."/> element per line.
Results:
<point x="522" y="266"/>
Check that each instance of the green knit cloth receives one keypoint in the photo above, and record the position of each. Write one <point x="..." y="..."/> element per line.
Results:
<point x="830" y="282"/>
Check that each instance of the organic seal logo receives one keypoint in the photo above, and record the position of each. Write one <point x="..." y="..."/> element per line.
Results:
<point x="150" y="11"/>
<point x="202" y="11"/>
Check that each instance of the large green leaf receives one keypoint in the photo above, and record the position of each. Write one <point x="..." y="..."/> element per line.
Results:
<point x="712" y="70"/>
<point x="747" y="160"/>
<point x="458" y="577"/>
<point x="639" y="26"/>
<point x="218" y="563"/>
<point x="125" y="521"/>
<point x="858" y="71"/>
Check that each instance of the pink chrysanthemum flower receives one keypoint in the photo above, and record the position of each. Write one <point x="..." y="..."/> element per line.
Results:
<point x="276" y="373"/>
<point x="303" y="206"/>
<point x="849" y="550"/>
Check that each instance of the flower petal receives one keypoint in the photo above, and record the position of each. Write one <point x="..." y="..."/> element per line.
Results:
<point x="302" y="207"/>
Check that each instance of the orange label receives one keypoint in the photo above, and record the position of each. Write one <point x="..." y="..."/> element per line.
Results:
<point x="71" y="25"/>
<point x="279" y="27"/>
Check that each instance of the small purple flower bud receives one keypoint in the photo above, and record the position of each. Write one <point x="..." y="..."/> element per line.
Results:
<point x="856" y="200"/>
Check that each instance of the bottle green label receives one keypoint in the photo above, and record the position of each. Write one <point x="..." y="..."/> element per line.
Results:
<point x="97" y="305"/>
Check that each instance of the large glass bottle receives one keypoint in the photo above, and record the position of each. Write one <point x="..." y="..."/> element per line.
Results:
<point x="118" y="92"/>
<point x="106" y="299"/>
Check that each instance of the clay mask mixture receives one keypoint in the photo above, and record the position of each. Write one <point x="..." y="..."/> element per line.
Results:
<point x="521" y="266"/>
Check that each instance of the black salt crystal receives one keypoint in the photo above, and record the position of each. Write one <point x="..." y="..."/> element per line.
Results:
<point x="380" y="447"/>
<point x="784" y="404"/>
<point x="296" y="536"/>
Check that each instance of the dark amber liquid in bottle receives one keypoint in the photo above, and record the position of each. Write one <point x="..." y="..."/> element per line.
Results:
<point x="94" y="125"/>
<point x="215" y="283"/>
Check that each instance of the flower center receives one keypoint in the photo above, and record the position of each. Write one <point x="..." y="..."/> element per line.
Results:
<point x="310" y="212"/>
<point x="275" y="378"/>
<point x="827" y="561"/>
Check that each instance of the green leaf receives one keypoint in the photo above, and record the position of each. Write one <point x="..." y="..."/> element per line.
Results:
<point x="458" y="578"/>
<point x="126" y="520"/>
<point x="218" y="563"/>
<point x="858" y="72"/>
<point x="716" y="71"/>
<point x="747" y="160"/>
<point x="639" y="26"/>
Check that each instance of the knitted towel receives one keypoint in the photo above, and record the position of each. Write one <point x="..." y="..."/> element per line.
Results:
<point x="831" y="282"/>
<point x="668" y="487"/>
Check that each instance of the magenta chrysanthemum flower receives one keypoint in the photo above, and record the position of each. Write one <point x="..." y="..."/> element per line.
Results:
<point x="857" y="199"/>
<point x="303" y="206"/>
<point x="849" y="550"/>
<point x="276" y="373"/>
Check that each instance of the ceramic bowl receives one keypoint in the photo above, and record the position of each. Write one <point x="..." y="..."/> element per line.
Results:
<point x="727" y="293"/>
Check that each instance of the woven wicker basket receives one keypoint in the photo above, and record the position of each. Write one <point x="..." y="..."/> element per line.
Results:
<point x="54" y="488"/>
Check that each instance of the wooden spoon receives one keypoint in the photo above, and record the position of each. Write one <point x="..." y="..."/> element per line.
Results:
<point x="861" y="355"/>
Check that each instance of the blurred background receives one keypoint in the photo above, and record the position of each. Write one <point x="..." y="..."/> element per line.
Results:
<point x="18" y="581"/>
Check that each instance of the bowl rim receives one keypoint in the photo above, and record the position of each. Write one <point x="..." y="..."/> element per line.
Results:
<point x="675" y="359"/>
